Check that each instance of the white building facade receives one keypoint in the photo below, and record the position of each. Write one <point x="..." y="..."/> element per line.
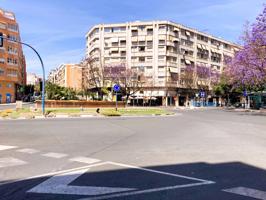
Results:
<point x="161" y="50"/>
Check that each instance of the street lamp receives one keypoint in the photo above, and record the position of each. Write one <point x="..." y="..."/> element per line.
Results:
<point x="43" y="70"/>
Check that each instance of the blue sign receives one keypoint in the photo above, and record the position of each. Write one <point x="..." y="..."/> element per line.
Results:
<point x="202" y="94"/>
<point x="116" y="88"/>
<point x="245" y="93"/>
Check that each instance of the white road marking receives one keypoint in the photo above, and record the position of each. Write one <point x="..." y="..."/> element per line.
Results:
<point x="55" y="155"/>
<point x="85" y="160"/>
<point x="28" y="150"/>
<point x="4" y="147"/>
<point x="67" y="176"/>
<point x="9" y="162"/>
<point x="58" y="184"/>
<point x="146" y="191"/>
<point x="248" y="192"/>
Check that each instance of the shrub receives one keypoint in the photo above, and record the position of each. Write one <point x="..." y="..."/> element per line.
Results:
<point x="111" y="113"/>
<point x="3" y="114"/>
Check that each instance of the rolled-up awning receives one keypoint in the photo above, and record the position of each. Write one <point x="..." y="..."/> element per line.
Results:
<point x="187" y="62"/>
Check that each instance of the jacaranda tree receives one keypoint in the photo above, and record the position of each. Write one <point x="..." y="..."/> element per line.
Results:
<point x="247" y="70"/>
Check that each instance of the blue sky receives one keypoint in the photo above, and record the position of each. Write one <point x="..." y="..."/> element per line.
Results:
<point x="57" y="28"/>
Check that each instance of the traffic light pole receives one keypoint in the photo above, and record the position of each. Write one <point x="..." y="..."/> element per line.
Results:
<point x="43" y="69"/>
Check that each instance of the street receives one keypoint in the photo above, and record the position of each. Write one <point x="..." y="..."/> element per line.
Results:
<point x="194" y="155"/>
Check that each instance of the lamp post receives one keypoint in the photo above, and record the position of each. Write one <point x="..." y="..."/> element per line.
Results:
<point x="43" y="70"/>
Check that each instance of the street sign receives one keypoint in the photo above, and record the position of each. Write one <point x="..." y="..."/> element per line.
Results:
<point x="245" y="93"/>
<point x="202" y="94"/>
<point x="116" y="88"/>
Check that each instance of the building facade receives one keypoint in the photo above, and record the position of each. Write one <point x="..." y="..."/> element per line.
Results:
<point x="12" y="60"/>
<point x="161" y="50"/>
<point x="33" y="79"/>
<point x="67" y="75"/>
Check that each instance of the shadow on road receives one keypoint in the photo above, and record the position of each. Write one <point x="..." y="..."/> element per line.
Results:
<point x="141" y="184"/>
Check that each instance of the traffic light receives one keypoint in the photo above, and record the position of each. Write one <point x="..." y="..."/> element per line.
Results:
<point x="1" y="40"/>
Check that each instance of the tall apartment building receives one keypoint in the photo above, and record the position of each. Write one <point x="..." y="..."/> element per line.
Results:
<point x="160" y="49"/>
<point x="12" y="60"/>
<point x="67" y="75"/>
<point x="33" y="79"/>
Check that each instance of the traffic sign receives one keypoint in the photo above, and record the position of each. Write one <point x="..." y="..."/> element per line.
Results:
<point x="116" y="88"/>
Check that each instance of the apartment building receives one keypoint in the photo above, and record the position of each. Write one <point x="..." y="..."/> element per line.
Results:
<point x="67" y="75"/>
<point x="33" y="79"/>
<point x="12" y="60"/>
<point x="161" y="50"/>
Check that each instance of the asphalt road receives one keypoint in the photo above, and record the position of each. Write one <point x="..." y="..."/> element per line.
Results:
<point x="13" y="105"/>
<point x="196" y="155"/>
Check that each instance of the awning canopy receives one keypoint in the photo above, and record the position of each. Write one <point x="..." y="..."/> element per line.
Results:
<point x="187" y="62"/>
<point x="114" y="39"/>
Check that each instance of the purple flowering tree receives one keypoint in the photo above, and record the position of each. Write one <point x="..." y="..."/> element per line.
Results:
<point x="247" y="70"/>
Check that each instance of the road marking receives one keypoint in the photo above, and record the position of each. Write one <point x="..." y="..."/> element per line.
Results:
<point x="84" y="160"/>
<point x="9" y="162"/>
<point x="248" y="192"/>
<point x="58" y="184"/>
<point x="4" y="147"/>
<point x="55" y="155"/>
<point x="147" y="191"/>
<point x="28" y="150"/>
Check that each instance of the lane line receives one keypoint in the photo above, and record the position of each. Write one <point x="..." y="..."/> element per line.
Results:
<point x="248" y="192"/>
<point x="5" y="147"/>
<point x="161" y="172"/>
<point x="86" y="160"/>
<point x="28" y="150"/>
<point x="55" y="155"/>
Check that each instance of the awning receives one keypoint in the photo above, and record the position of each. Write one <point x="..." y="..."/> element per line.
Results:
<point x="199" y="46"/>
<point x="134" y="28"/>
<point x="122" y="38"/>
<point x="122" y="49"/>
<point x="176" y="29"/>
<point x="187" y="62"/>
<point x="203" y="47"/>
<point x="114" y="49"/>
<point x="114" y="39"/>
<point x="187" y="33"/>
<point x="175" y="40"/>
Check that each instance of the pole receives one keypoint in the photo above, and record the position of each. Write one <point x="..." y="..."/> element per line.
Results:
<point x="43" y="69"/>
<point x="116" y="100"/>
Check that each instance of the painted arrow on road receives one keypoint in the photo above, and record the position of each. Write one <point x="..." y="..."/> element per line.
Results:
<point x="248" y="192"/>
<point x="59" y="184"/>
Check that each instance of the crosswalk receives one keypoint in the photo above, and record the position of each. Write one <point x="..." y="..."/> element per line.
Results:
<point x="10" y="161"/>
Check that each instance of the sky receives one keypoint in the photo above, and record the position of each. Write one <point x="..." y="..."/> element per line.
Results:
<point x="57" y="28"/>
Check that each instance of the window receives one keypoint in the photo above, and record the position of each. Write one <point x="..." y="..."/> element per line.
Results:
<point x="2" y="72"/>
<point x="2" y="26"/>
<point x="2" y="61"/>
<point x="162" y="27"/>
<point x="142" y="49"/>
<point x="12" y="27"/>
<point x="161" y="57"/>
<point x="141" y="59"/>
<point x="149" y="31"/>
<point x="142" y="28"/>
<point x="202" y="38"/>
<point x="8" y="85"/>
<point x="161" y="41"/>
<point x="123" y="42"/>
<point x="134" y="32"/>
